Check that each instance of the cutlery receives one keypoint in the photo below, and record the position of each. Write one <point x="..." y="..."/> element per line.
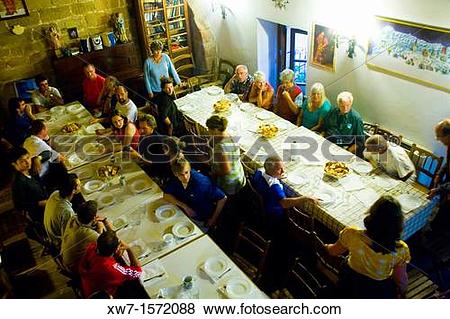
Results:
<point x="145" y="256"/>
<point x="155" y="276"/>
<point x="224" y="273"/>
<point x="187" y="236"/>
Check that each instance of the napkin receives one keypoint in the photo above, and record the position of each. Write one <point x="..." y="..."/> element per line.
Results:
<point x="351" y="183"/>
<point x="153" y="272"/>
<point x="367" y="196"/>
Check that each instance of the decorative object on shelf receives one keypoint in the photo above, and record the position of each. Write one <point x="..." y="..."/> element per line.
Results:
<point x="281" y="4"/>
<point x="17" y="29"/>
<point x="54" y="37"/>
<point x="10" y="9"/>
<point x="109" y="39"/>
<point x="411" y="51"/>
<point x="73" y="33"/>
<point x="119" y="27"/>
<point x="323" y="48"/>
<point x="97" y="43"/>
<point x="85" y="45"/>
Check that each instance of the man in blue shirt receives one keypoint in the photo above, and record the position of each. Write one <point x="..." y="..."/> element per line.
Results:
<point x="267" y="184"/>
<point x="344" y="126"/>
<point x="194" y="193"/>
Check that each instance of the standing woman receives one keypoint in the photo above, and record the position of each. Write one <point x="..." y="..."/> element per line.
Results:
<point x="261" y="92"/>
<point x="314" y="108"/>
<point x="289" y="97"/>
<point x="19" y="124"/>
<point x="376" y="264"/>
<point x="156" y="66"/>
<point x="226" y="167"/>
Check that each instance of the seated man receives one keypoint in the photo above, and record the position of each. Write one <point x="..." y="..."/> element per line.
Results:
<point x="81" y="230"/>
<point x="99" y="269"/>
<point x="92" y="87"/>
<point x="344" y="126"/>
<point x="169" y="118"/>
<point x="124" y="105"/>
<point x="45" y="95"/>
<point x="27" y="192"/>
<point x="240" y="83"/>
<point x="267" y="184"/>
<point x="390" y="157"/>
<point x="36" y="144"/>
<point x="194" y="193"/>
<point x="58" y="209"/>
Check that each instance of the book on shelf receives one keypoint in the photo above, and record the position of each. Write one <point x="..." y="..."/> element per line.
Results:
<point x="153" y="5"/>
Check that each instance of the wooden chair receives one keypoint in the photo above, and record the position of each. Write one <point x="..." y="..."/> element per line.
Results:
<point x="300" y="228"/>
<point x="427" y="165"/>
<point x="184" y="64"/>
<point x="223" y="74"/>
<point x="300" y="283"/>
<point x="250" y="252"/>
<point x="370" y="128"/>
<point x="388" y="135"/>
<point x="420" y="286"/>
<point x="190" y="125"/>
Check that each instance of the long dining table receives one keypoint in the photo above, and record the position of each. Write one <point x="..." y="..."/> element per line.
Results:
<point x="134" y="204"/>
<point x="344" y="201"/>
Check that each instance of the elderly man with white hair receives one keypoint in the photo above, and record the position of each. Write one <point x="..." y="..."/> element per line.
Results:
<point x="390" y="157"/>
<point x="344" y="126"/>
<point x="261" y="92"/>
<point x="240" y="82"/>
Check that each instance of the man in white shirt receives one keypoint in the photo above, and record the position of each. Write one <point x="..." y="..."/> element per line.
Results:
<point x="58" y="208"/>
<point x="46" y="95"/>
<point x="35" y="144"/>
<point x="390" y="157"/>
<point x="124" y="105"/>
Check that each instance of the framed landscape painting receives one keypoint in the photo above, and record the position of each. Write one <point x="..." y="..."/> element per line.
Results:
<point x="10" y="9"/>
<point x="411" y="51"/>
<point x="323" y="48"/>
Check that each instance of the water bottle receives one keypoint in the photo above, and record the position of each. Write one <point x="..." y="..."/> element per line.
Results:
<point x="122" y="181"/>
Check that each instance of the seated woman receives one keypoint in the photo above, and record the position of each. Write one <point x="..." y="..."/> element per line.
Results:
<point x="226" y="167"/>
<point x="289" y="97"/>
<point x="125" y="131"/>
<point x="19" y="124"/>
<point x="107" y="100"/>
<point x="261" y="92"/>
<point x="314" y="108"/>
<point x="194" y="193"/>
<point x="376" y="266"/>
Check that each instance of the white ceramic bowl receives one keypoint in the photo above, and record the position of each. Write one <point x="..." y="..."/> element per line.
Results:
<point x="183" y="229"/>
<point x="94" y="185"/>
<point x="165" y="212"/>
<point x="216" y="265"/>
<point x="237" y="288"/>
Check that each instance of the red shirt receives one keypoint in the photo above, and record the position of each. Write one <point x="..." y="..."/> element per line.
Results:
<point x="282" y="108"/>
<point x="103" y="273"/>
<point x="91" y="91"/>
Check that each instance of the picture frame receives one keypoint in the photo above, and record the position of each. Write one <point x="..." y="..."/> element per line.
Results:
<point x="11" y="9"/>
<point x="323" y="48"/>
<point x="411" y="51"/>
<point x="73" y="33"/>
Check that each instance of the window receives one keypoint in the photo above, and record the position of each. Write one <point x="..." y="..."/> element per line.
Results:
<point x="298" y="48"/>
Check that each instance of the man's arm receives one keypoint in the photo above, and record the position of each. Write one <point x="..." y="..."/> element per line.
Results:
<point x="173" y="200"/>
<point x="219" y="206"/>
<point x="296" y="201"/>
<point x="227" y="88"/>
<point x="147" y="78"/>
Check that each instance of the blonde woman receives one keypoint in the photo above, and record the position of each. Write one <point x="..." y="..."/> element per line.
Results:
<point x="261" y="92"/>
<point x="314" y="108"/>
<point x="289" y="97"/>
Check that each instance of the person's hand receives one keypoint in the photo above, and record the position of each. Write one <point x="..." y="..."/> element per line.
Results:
<point x="61" y="158"/>
<point x="286" y="95"/>
<point x="436" y="181"/>
<point x="100" y="226"/>
<point x="189" y="211"/>
<point x="122" y="247"/>
<point x="36" y="166"/>
<point x="433" y="192"/>
<point x="94" y="120"/>
<point x="151" y="95"/>
<point x="304" y="200"/>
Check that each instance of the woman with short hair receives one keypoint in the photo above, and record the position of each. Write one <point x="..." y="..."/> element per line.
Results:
<point x="261" y="92"/>
<point x="376" y="264"/>
<point x="289" y="97"/>
<point x="314" y="108"/>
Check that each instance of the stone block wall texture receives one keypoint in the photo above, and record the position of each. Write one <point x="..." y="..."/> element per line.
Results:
<point x="29" y="54"/>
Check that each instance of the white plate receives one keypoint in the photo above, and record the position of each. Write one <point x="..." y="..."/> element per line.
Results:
<point x="325" y="195"/>
<point x="166" y="212"/>
<point x="237" y="288"/>
<point x="57" y="109"/>
<point x="216" y="266"/>
<point x="183" y="229"/>
<point x="91" y="128"/>
<point x="94" y="148"/>
<point x="65" y="139"/>
<point x="282" y="125"/>
<point x="139" y="248"/>
<point x="139" y="186"/>
<point x="94" y="185"/>
<point x="74" y="160"/>
<point x="361" y="167"/>
<point x="186" y="108"/>
<point x="105" y="200"/>
<point x="298" y="179"/>
<point x="408" y="202"/>
<point x="264" y="115"/>
<point x="214" y="90"/>
<point x="75" y="108"/>
<point x="246" y="107"/>
<point x="119" y="223"/>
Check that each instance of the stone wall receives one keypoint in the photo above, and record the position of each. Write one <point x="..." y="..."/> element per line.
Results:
<point x="26" y="55"/>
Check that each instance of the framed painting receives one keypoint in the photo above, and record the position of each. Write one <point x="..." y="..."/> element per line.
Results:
<point x="323" y="48"/>
<point x="412" y="51"/>
<point x="10" y="9"/>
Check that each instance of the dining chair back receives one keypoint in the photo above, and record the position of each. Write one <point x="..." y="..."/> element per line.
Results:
<point x="427" y="165"/>
<point x="250" y="252"/>
<point x="370" y="128"/>
<point x="389" y="136"/>
<point x="300" y="228"/>
<point x="328" y="265"/>
<point x="420" y="286"/>
<point x="184" y="65"/>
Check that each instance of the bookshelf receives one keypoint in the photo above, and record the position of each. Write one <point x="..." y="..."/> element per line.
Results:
<point x="167" y="21"/>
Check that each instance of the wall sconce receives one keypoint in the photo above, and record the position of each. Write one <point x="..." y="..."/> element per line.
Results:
<point x="223" y="8"/>
<point x="17" y="29"/>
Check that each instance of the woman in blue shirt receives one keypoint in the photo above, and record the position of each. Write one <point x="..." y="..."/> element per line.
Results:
<point x="314" y="108"/>
<point x="156" y="66"/>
